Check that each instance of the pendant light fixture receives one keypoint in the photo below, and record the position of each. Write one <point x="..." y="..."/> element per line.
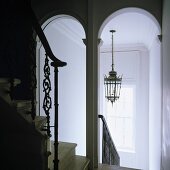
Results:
<point x="112" y="82"/>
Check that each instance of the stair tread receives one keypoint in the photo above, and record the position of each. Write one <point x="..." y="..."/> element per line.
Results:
<point x="79" y="162"/>
<point x="63" y="148"/>
<point x="113" y="167"/>
<point x="66" y="146"/>
<point x="21" y="103"/>
<point x="7" y="81"/>
<point x="66" y="152"/>
<point x="40" y="121"/>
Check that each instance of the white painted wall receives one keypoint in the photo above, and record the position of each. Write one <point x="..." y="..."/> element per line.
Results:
<point x="166" y="86"/>
<point x="134" y="65"/>
<point x="155" y="99"/>
<point x="72" y="87"/>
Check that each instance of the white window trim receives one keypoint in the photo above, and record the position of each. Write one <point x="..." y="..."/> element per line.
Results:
<point x="130" y="83"/>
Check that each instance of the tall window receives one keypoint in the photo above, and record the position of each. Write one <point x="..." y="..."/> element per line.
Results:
<point x="120" y="118"/>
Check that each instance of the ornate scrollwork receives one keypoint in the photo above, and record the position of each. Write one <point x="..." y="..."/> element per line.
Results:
<point x="46" y="89"/>
<point x="109" y="153"/>
<point x="33" y="84"/>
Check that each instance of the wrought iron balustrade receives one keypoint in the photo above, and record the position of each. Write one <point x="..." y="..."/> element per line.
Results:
<point x="110" y="155"/>
<point x="47" y="102"/>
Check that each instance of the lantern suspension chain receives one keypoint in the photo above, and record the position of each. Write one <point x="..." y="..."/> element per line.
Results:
<point x="112" y="31"/>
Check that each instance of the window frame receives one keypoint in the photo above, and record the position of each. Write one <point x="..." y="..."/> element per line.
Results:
<point x="126" y="84"/>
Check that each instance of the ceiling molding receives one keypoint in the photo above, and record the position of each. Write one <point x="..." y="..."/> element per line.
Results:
<point x="74" y="33"/>
<point x="124" y="48"/>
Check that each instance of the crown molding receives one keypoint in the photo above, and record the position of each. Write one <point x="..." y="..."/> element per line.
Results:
<point x="74" y="34"/>
<point x="124" y="48"/>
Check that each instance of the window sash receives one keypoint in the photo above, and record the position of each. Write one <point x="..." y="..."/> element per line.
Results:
<point x="120" y="119"/>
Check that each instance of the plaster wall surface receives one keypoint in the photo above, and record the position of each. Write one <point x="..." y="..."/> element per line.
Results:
<point x="155" y="104"/>
<point x="72" y="87"/>
<point x="166" y="87"/>
<point x="134" y="65"/>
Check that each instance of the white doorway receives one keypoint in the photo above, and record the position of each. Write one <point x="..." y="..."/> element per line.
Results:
<point x="64" y="34"/>
<point x="135" y="120"/>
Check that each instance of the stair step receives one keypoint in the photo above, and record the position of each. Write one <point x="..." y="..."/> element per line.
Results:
<point x="66" y="152"/>
<point x="6" y="81"/>
<point x="40" y="122"/>
<point x="79" y="163"/>
<point x="22" y="106"/>
<point x="113" y="167"/>
<point x="5" y="88"/>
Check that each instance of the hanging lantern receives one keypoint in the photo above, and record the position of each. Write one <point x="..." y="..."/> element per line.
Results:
<point x="112" y="82"/>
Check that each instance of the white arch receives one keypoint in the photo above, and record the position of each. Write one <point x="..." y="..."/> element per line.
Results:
<point x="56" y="17"/>
<point x="154" y="77"/>
<point x="61" y="16"/>
<point x="60" y="38"/>
<point x="125" y="10"/>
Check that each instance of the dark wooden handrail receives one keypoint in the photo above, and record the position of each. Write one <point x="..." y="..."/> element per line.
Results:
<point x="44" y="41"/>
<point x="109" y="153"/>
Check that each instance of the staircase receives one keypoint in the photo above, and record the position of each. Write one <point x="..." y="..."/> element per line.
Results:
<point x="67" y="158"/>
<point x="25" y="144"/>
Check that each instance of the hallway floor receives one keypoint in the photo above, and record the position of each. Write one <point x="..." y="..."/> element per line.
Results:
<point x="112" y="167"/>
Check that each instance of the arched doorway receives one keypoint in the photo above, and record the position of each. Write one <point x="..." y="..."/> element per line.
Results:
<point x="135" y="124"/>
<point x="64" y="34"/>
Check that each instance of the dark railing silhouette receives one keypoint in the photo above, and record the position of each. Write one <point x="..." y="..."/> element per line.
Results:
<point x="56" y="63"/>
<point x="110" y="155"/>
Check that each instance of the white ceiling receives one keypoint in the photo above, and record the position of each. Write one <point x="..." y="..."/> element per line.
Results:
<point x="70" y="28"/>
<point x="132" y="28"/>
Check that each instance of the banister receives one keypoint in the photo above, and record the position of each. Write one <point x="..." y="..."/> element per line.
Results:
<point x="113" y="155"/>
<point x="47" y="83"/>
<point x="104" y="122"/>
<point x="44" y="41"/>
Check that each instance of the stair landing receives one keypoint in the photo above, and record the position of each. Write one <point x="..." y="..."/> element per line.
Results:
<point x="113" y="167"/>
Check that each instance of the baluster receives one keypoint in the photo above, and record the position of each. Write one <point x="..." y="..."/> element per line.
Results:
<point x="11" y="80"/>
<point x="33" y="84"/>
<point x="109" y="152"/>
<point x="46" y="89"/>
<point x="56" y="161"/>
